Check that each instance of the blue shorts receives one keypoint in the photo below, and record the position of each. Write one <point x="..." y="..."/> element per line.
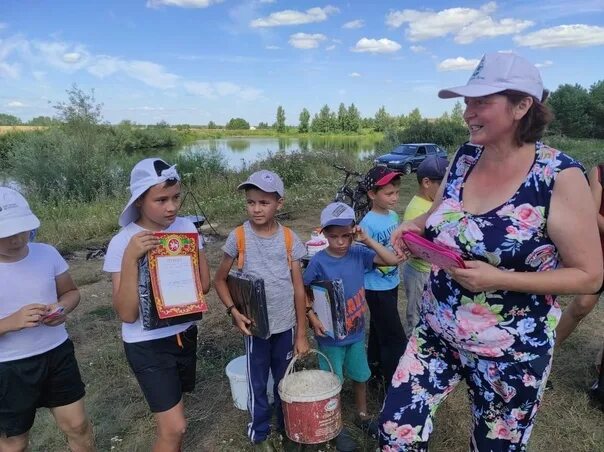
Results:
<point x="349" y="360"/>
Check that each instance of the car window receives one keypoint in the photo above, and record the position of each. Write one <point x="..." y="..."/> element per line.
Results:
<point x="431" y="150"/>
<point x="421" y="151"/>
<point x="405" y="149"/>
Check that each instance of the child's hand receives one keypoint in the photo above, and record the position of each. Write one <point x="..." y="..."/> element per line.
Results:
<point x="140" y="244"/>
<point x="301" y="346"/>
<point x="359" y="234"/>
<point x="241" y="322"/>
<point x="28" y="316"/>
<point x="316" y="325"/>
<point x="56" y="319"/>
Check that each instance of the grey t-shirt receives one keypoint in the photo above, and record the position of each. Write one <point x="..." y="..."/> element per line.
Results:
<point x="266" y="258"/>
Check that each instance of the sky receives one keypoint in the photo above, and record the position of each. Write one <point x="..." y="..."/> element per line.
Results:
<point x="195" y="61"/>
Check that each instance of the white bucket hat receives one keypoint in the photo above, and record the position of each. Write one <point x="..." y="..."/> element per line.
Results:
<point x="498" y="72"/>
<point x="143" y="177"/>
<point x="15" y="214"/>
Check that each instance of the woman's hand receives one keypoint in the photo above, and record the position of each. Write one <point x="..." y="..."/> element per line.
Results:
<point x="141" y="243"/>
<point x="478" y="276"/>
<point x="396" y="239"/>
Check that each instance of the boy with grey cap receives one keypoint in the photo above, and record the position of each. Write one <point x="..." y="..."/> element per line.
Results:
<point x="271" y="252"/>
<point x="415" y="271"/>
<point x="38" y="367"/>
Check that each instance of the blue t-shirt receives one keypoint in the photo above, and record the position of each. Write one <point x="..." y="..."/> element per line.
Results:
<point x="350" y="268"/>
<point x="379" y="227"/>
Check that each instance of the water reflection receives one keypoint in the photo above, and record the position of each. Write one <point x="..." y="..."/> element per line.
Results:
<point x="239" y="152"/>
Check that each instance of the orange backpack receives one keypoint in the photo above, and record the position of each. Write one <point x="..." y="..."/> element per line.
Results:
<point x="240" y="236"/>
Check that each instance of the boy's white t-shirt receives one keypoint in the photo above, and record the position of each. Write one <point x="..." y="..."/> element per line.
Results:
<point x="134" y="332"/>
<point x="30" y="280"/>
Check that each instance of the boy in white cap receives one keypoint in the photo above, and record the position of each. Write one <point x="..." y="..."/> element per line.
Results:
<point x="348" y="262"/>
<point x="272" y="252"/>
<point x="163" y="359"/>
<point x="38" y="367"/>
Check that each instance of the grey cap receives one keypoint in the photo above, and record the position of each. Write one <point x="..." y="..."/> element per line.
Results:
<point x="337" y="214"/>
<point x="266" y="181"/>
<point x="433" y="167"/>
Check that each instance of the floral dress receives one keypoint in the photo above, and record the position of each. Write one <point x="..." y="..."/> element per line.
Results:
<point x="499" y="342"/>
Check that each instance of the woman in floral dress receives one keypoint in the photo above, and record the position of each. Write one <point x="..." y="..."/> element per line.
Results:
<point x="515" y="209"/>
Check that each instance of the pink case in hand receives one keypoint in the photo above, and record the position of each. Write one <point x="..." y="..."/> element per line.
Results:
<point x="429" y="251"/>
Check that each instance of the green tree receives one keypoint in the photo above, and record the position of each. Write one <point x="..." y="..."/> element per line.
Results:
<point x="457" y="113"/>
<point x="79" y="109"/>
<point x="596" y="108"/>
<point x="354" y="118"/>
<point x="280" y="123"/>
<point x="212" y="125"/>
<point x="415" y="116"/>
<point x="263" y="125"/>
<point x="383" y="120"/>
<point x="237" y="124"/>
<point x="570" y="104"/>
<point x="342" y="124"/>
<point x="9" y="120"/>
<point x="304" y="121"/>
<point x="325" y="121"/>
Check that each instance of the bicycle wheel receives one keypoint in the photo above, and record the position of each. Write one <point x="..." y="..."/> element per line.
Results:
<point x="362" y="205"/>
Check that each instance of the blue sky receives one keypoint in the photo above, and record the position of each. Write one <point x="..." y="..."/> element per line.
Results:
<point x="192" y="61"/>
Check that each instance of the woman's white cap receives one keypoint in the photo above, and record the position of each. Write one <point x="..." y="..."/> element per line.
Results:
<point x="498" y="72"/>
<point x="142" y="178"/>
<point x="15" y="214"/>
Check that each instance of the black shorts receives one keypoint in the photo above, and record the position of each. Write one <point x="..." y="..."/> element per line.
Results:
<point x="164" y="368"/>
<point x="51" y="379"/>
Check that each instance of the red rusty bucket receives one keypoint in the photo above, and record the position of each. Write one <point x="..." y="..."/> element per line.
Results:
<point x="311" y="404"/>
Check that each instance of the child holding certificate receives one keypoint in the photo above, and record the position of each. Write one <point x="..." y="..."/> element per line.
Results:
<point x="342" y="260"/>
<point x="268" y="251"/>
<point x="38" y="367"/>
<point x="164" y="359"/>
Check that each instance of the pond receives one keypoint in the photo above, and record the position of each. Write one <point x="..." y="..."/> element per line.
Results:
<point x="241" y="151"/>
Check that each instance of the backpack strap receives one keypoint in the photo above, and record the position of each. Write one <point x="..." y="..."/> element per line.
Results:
<point x="289" y="245"/>
<point x="240" y="236"/>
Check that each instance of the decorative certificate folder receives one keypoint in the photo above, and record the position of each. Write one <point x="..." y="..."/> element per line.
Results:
<point x="330" y="305"/>
<point x="248" y="294"/>
<point x="174" y="272"/>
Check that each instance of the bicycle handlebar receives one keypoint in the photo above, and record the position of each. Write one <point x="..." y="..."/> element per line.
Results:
<point x="347" y="171"/>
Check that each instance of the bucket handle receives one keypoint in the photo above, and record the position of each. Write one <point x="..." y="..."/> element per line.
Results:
<point x="312" y="350"/>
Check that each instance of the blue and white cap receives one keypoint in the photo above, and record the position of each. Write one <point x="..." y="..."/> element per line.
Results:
<point x="337" y="214"/>
<point x="498" y="72"/>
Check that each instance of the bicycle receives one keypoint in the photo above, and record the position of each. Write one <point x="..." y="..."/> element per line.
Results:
<point x="353" y="192"/>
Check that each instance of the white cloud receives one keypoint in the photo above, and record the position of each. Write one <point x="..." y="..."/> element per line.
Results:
<point x="578" y="35"/>
<point x="293" y="17"/>
<point x="151" y="74"/>
<point x="72" y="57"/>
<point x="417" y="49"/>
<point x="104" y="66"/>
<point x="8" y="70"/>
<point x="273" y="47"/>
<point x="306" y="41"/>
<point x="181" y="3"/>
<point x="62" y="55"/>
<point x="221" y="89"/>
<point x="465" y="24"/>
<point x="546" y="63"/>
<point x="267" y="1"/>
<point x="376" y="46"/>
<point x="354" y="24"/>
<point x="331" y="47"/>
<point x="354" y="74"/>
<point x="457" y="64"/>
<point x="15" y="104"/>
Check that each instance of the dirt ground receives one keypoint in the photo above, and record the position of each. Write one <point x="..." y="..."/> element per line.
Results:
<point x="567" y="420"/>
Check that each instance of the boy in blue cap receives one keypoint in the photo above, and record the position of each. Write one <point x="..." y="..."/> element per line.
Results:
<point x="347" y="261"/>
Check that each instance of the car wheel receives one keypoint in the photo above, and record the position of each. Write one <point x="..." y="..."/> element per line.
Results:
<point x="407" y="169"/>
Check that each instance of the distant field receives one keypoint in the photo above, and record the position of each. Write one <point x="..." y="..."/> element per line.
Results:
<point x="7" y="129"/>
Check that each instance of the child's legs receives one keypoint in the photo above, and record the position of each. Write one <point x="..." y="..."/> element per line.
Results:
<point x="258" y="353"/>
<point x="373" y="346"/>
<point x="505" y="398"/>
<point x="390" y="337"/>
<point x="427" y="372"/>
<point x="74" y="422"/>
<point x="171" y="427"/>
<point x="282" y="350"/>
<point x="413" y="282"/>
<point x="357" y="369"/>
<point x="336" y="357"/>
<point x="14" y="443"/>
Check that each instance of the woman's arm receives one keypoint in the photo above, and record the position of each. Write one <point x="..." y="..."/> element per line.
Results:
<point x="571" y="225"/>
<point x="596" y="192"/>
